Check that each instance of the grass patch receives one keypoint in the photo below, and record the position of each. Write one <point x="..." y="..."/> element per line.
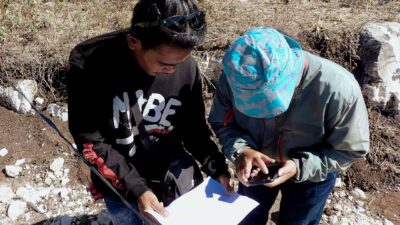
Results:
<point x="36" y="36"/>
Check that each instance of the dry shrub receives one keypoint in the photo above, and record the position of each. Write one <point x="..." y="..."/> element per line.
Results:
<point x="338" y="46"/>
<point x="36" y="36"/>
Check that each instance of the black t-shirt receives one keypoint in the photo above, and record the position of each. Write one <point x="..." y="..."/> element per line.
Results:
<point x="104" y="85"/>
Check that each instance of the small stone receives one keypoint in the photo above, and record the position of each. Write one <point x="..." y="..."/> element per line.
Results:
<point x="342" y="194"/>
<point x="6" y="194"/>
<point x="13" y="171"/>
<point x="16" y="209"/>
<point x="48" y="181"/>
<point x="338" y="182"/>
<point x="338" y="207"/>
<point x="57" y="164"/>
<point x="328" y="212"/>
<point x="333" y="220"/>
<point x="3" y="152"/>
<point x="345" y="221"/>
<point x="387" y="222"/>
<point x="358" y="193"/>
<point x="20" y="162"/>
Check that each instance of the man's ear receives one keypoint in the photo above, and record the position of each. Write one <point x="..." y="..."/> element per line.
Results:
<point x="134" y="43"/>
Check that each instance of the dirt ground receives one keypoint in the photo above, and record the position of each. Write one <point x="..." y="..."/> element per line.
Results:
<point x="30" y="138"/>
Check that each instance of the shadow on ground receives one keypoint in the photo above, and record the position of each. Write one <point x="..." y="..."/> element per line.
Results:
<point x="103" y="218"/>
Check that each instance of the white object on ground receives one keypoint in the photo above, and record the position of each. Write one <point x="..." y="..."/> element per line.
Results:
<point x="3" y="152"/>
<point x="16" y="209"/>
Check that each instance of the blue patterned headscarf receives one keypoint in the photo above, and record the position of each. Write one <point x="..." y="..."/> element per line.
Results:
<point x="263" y="68"/>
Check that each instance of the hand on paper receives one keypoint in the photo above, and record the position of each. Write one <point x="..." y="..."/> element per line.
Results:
<point x="147" y="202"/>
<point x="248" y="159"/>
<point x="227" y="182"/>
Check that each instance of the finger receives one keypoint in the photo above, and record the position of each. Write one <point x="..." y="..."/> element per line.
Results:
<point x="289" y="168"/>
<point x="267" y="159"/>
<point x="261" y="164"/>
<point x="240" y="171"/>
<point x="284" y="170"/>
<point x="159" y="208"/>
<point x="240" y="176"/>
<point x="247" y="169"/>
<point x="254" y="172"/>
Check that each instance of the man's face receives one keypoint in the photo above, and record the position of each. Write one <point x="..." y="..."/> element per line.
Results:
<point x="158" y="61"/>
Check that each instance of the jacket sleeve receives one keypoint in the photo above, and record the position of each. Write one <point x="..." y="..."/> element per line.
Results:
<point x="347" y="141"/>
<point x="197" y="135"/>
<point x="84" y="106"/>
<point x="222" y="121"/>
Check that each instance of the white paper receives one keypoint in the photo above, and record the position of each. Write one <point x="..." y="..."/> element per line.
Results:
<point x="207" y="204"/>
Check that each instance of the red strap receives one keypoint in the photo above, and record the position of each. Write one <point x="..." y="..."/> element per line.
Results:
<point x="228" y="117"/>
<point x="95" y="194"/>
<point x="90" y="155"/>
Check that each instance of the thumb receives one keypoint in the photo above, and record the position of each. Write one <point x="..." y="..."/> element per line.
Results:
<point x="159" y="208"/>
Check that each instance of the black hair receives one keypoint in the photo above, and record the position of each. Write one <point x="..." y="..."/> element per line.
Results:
<point x="147" y="11"/>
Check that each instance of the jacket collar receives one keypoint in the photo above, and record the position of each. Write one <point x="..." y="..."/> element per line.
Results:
<point x="314" y="68"/>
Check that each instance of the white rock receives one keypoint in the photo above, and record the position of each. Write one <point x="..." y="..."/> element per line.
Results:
<point x="333" y="220"/>
<point x="38" y="208"/>
<point x="48" y="181"/>
<point x="64" y="181"/>
<point x="13" y="171"/>
<point x="345" y="221"/>
<point x="338" y="182"/>
<point x="20" y="162"/>
<point x="59" y="173"/>
<point x="28" y="216"/>
<point x="57" y="165"/>
<point x="3" y="152"/>
<point x="380" y="53"/>
<point x="58" y="111"/>
<point x="360" y="209"/>
<point x="64" y="194"/>
<point x="358" y="193"/>
<point x="39" y="103"/>
<point x="342" y="194"/>
<point x="19" y="101"/>
<point x="6" y="194"/>
<point x="348" y="208"/>
<point x="32" y="194"/>
<point x="16" y="209"/>
<point x="387" y="222"/>
<point x="338" y="207"/>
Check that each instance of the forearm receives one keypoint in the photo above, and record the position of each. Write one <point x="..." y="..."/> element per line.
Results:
<point x="315" y="163"/>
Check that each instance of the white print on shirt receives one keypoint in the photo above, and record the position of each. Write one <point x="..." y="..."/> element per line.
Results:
<point x="155" y="111"/>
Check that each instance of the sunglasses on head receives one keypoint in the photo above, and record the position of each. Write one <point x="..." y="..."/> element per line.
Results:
<point x="177" y="24"/>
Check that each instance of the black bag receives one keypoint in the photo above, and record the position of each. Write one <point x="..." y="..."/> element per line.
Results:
<point x="183" y="175"/>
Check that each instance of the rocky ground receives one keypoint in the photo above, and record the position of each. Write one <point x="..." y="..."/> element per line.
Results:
<point x="43" y="183"/>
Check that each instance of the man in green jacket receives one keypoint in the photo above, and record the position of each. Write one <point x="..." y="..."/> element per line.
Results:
<point x="277" y="104"/>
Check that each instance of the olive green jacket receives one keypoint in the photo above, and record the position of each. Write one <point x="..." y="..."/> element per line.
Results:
<point x="325" y="128"/>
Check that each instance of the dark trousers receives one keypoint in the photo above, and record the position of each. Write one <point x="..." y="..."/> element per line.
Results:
<point x="301" y="203"/>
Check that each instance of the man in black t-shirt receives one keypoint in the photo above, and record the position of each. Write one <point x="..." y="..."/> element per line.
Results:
<point x="136" y="107"/>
